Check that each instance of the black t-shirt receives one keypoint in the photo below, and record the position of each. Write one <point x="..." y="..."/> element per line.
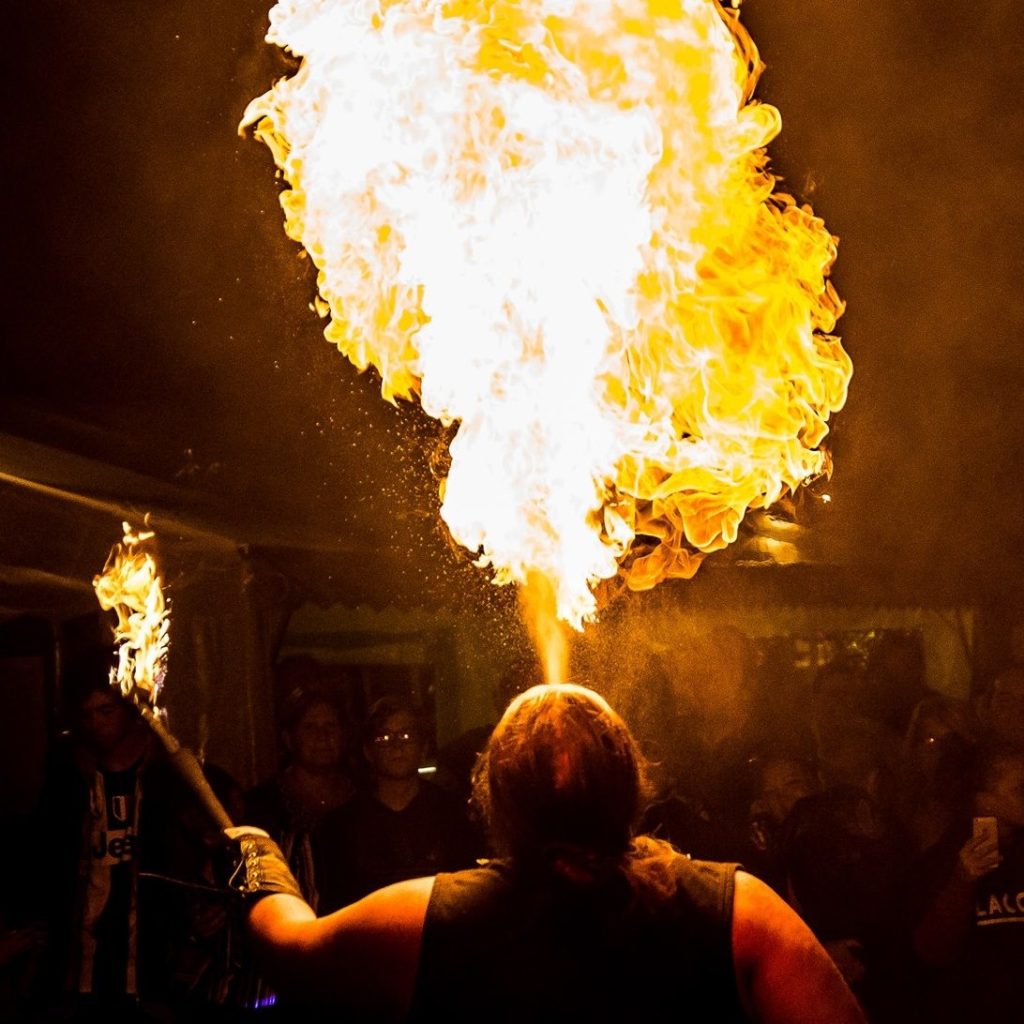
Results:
<point x="365" y="845"/>
<point x="992" y="971"/>
<point x="499" y="945"/>
<point x="984" y="983"/>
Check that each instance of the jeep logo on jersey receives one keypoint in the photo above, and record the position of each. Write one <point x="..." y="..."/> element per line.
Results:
<point x="114" y="847"/>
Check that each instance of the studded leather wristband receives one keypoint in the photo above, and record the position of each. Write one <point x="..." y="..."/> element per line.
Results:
<point x="261" y="869"/>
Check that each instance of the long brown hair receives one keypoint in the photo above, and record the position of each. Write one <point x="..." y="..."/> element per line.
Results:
<point x="561" y="782"/>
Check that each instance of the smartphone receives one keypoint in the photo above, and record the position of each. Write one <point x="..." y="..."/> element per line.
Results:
<point x="986" y="828"/>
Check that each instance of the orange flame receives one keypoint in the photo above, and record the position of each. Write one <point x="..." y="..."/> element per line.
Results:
<point x="552" y="220"/>
<point x="537" y="605"/>
<point x="130" y="585"/>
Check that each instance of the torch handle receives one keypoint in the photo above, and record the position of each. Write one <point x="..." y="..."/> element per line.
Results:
<point x="188" y="767"/>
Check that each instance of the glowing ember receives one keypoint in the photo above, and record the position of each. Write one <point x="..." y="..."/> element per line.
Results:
<point x="131" y="587"/>
<point x="553" y="221"/>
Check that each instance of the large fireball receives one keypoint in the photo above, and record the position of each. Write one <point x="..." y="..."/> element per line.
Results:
<point x="553" y="224"/>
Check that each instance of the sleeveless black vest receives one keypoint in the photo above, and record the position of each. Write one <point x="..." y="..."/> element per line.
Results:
<point x="502" y="946"/>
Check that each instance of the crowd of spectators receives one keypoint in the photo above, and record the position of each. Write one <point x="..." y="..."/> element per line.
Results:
<point x="889" y="816"/>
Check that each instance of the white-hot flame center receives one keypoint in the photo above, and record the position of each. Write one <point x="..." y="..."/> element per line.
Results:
<point x="552" y="221"/>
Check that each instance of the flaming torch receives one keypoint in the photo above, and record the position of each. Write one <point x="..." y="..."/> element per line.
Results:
<point x="553" y="223"/>
<point x="131" y="587"/>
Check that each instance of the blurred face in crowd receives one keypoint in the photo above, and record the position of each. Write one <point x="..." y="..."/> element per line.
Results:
<point x="316" y="741"/>
<point x="931" y="733"/>
<point x="934" y="741"/>
<point x="395" y="749"/>
<point x="1004" y="795"/>
<point x="834" y="704"/>
<point x="783" y="782"/>
<point x="105" y="720"/>
<point x="1006" y="707"/>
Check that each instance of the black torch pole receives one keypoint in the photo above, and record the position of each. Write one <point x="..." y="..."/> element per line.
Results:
<point x="187" y="766"/>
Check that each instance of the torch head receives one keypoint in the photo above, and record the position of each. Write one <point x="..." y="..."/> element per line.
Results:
<point x="131" y="586"/>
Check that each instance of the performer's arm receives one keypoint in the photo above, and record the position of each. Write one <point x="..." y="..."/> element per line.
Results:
<point x="361" y="959"/>
<point x="783" y="973"/>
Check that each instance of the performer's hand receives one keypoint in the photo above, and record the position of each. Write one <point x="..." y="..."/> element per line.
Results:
<point x="261" y="868"/>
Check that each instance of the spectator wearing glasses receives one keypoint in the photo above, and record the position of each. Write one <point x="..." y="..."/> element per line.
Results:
<point x="403" y="826"/>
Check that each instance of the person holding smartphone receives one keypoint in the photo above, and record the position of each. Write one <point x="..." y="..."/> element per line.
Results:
<point x="972" y="924"/>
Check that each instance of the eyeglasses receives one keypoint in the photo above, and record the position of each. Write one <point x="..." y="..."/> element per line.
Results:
<point x="386" y="739"/>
